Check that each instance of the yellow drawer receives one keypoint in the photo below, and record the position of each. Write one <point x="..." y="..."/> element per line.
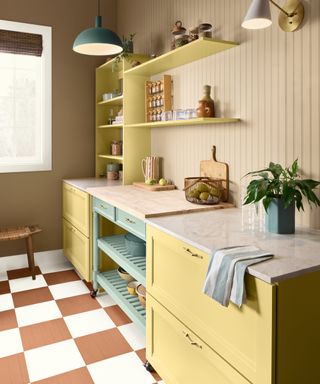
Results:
<point x="76" y="249"/>
<point x="76" y="208"/>
<point x="131" y="223"/>
<point x="179" y="356"/>
<point x="243" y="337"/>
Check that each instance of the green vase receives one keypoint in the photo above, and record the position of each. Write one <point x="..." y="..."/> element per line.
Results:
<point x="280" y="219"/>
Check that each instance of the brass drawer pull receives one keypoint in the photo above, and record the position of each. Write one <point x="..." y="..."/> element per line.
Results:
<point x="188" y="337"/>
<point x="192" y="254"/>
<point x="129" y="221"/>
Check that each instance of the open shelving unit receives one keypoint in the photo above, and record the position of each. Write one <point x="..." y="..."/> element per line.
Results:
<point x="135" y="132"/>
<point x="196" y="50"/>
<point x="196" y="121"/>
<point x="117" y="289"/>
<point x="115" y="101"/>
<point x="114" y="246"/>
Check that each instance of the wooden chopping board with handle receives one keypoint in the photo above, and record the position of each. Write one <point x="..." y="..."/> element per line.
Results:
<point x="215" y="169"/>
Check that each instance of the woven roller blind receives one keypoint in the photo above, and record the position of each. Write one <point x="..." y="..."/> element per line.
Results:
<point x="20" y="43"/>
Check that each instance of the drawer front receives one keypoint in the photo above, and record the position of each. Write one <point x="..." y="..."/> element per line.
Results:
<point x="76" y="249"/>
<point x="104" y="209"/>
<point x="179" y="356"/>
<point x="76" y="208"/>
<point x="131" y="223"/>
<point x="244" y="337"/>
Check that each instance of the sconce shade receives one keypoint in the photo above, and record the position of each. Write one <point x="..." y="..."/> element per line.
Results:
<point x="98" y="41"/>
<point x="258" y="15"/>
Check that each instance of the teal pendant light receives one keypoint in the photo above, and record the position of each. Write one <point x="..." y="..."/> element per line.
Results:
<point x="98" y="41"/>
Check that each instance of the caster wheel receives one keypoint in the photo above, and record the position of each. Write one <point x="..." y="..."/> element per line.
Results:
<point x="93" y="293"/>
<point x="148" y="366"/>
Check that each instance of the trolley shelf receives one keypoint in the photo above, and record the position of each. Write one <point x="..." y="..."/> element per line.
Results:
<point x="117" y="289"/>
<point x="115" y="247"/>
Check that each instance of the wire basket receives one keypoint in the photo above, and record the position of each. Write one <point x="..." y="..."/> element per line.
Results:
<point x="203" y="190"/>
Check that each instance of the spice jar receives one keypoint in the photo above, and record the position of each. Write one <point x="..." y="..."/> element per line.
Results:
<point x="116" y="148"/>
<point x="153" y="89"/>
<point x="149" y="84"/>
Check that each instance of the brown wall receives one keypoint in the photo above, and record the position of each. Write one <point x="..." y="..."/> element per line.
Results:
<point x="35" y="197"/>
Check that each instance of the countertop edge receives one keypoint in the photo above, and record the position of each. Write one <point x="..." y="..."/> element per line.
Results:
<point x="251" y="271"/>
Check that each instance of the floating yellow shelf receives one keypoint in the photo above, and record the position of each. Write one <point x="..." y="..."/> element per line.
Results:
<point x="111" y="126"/>
<point x="115" y="101"/>
<point x="196" y="50"/>
<point x="120" y="158"/>
<point x="197" y="121"/>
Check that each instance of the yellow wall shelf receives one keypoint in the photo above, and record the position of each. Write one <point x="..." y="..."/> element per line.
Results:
<point x="120" y="158"/>
<point x="196" y="50"/>
<point x="197" y="121"/>
<point x="111" y="126"/>
<point x="115" y="101"/>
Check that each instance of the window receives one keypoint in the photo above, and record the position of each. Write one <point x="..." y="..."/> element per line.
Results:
<point x="25" y="97"/>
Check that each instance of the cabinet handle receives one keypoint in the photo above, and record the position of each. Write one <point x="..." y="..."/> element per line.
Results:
<point x="103" y="207"/>
<point x="188" y="337"/>
<point x="192" y="253"/>
<point x="129" y="221"/>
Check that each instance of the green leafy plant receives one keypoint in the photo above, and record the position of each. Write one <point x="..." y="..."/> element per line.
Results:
<point x="278" y="182"/>
<point x="125" y="54"/>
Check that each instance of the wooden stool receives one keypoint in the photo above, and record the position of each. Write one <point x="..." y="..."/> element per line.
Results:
<point x="24" y="232"/>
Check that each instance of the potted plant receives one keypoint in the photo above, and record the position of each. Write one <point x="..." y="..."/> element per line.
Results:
<point x="127" y="43"/>
<point x="281" y="190"/>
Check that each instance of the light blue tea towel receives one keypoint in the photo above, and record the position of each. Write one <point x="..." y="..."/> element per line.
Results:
<point x="225" y="276"/>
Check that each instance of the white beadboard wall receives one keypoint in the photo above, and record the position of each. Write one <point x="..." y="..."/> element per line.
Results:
<point x="271" y="81"/>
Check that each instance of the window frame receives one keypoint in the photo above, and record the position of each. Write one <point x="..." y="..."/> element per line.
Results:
<point x="46" y="121"/>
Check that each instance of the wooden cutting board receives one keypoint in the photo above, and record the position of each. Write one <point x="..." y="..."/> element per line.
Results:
<point x="155" y="187"/>
<point x="213" y="168"/>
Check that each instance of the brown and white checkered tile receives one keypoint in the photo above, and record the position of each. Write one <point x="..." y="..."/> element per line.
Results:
<point x="53" y="332"/>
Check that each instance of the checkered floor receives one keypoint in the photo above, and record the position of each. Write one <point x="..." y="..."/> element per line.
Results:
<point x="52" y="331"/>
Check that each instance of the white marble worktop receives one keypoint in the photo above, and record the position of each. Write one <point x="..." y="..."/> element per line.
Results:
<point x="92" y="182"/>
<point x="294" y="255"/>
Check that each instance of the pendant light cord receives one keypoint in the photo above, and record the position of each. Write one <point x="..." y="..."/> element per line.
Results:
<point x="99" y="8"/>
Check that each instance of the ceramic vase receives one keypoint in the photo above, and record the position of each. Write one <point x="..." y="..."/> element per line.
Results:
<point x="280" y="219"/>
<point x="206" y="104"/>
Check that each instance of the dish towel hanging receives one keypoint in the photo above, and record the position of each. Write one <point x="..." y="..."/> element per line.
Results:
<point x="224" y="281"/>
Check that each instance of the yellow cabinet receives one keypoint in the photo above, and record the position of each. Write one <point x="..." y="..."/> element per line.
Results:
<point x="76" y="229"/>
<point x="76" y="249"/>
<point x="175" y="276"/>
<point x="180" y="356"/>
<point x="76" y="208"/>
<point x="272" y="339"/>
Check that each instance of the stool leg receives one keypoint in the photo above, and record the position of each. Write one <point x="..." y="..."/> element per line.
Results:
<point x="30" y="256"/>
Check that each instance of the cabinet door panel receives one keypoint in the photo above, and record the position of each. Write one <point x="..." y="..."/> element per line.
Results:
<point x="76" y="208"/>
<point x="175" y="277"/>
<point x="179" y="355"/>
<point x="76" y="249"/>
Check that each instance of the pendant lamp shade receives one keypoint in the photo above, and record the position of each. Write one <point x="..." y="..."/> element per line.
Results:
<point x="258" y="15"/>
<point x="98" y="41"/>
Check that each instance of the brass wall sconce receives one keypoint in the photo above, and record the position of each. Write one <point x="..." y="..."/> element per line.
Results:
<point x="259" y="15"/>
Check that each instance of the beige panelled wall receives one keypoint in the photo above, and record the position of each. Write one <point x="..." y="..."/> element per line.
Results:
<point x="271" y="81"/>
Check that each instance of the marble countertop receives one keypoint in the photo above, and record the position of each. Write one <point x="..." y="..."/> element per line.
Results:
<point x="92" y="182"/>
<point x="294" y="255"/>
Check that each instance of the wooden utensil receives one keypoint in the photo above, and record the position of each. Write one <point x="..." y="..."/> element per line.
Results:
<point x="215" y="169"/>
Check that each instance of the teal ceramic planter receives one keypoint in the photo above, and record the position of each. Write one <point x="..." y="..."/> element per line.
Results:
<point x="280" y="219"/>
